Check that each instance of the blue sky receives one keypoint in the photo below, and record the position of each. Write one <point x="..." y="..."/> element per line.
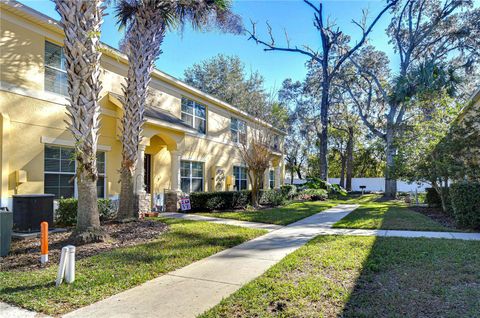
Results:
<point x="182" y="50"/>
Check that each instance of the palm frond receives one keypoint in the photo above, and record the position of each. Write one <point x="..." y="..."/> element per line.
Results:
<point x="125" y="11"/>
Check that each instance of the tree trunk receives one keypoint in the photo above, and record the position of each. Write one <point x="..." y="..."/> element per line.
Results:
<point x="342" y="171"/>
<point x="82" y="21"/>
<point x="88" y="227"/>
<point x="324" y="131"/>
<point x="142" y="46"/>
<point x="126" y="208"/>
<point x="299" y="173"/>
<point x="350" y="158"/>
<point x="442" y="193"/>
<point x="257" y="181"/>
<point x="390" y="179"/>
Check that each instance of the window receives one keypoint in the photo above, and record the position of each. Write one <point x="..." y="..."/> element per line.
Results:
<point x="276" y="142"/>
<point x="59" y="169"/>
<point x="238" y="129"/>
<point x="191" y="176"/>
<point x="194" y="114"/>
<point x="240" y="174"/>
<point x="55" y="69"/>
<point x="101" y="166"/>
<point x="59" y="172"/>
<point x="272" y="179"/>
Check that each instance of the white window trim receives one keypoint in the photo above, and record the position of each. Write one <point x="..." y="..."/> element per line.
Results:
<point x="53" y="67"/>
<point x="237" y="130"/>
<point x="194" y="115"/>
<point x="75" y="185"/>
<point x="246" y="176"/>
<point x="271" y="173"/>
<point x="68" y="143"/>
<point x="190" y="177"/>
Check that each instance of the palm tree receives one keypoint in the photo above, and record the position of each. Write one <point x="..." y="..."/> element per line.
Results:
<point x="146" y="23"/>
<point x="81" y="22"/>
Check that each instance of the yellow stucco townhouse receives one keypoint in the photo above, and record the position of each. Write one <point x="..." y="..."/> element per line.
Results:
<point x="190" y="138"/>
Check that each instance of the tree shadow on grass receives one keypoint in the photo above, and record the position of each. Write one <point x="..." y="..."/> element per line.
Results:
<point x="178" y="244"/>
<point x="419" y="277"/>
<point x="26" y="288"/>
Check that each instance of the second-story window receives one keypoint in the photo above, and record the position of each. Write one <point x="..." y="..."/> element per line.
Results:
<point x="194" y="114"/>
<point x="238" y="129"/>
<point x="276" y="142"/>
<point x="55" y="69"/>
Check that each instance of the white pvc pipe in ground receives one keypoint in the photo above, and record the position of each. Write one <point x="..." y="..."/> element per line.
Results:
<point x="66" y="267"/>
<point x="70" y="269"/>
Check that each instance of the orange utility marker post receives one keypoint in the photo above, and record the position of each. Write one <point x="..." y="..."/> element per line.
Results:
<point x="44" y="242"/>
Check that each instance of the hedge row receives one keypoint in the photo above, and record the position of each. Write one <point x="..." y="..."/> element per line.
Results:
<point x="432" y="198"/>
<point x="223" y="200"/>
<point x="66" y="214"/>
<point x="465" y="200"/>
<point x="231" y="200"/>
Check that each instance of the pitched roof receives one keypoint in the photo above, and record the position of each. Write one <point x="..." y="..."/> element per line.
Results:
<point x="54" y="25"/>
<point x="154" y="112"/>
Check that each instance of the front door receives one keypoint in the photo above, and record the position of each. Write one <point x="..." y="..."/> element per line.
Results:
<point x="147" y="177"/>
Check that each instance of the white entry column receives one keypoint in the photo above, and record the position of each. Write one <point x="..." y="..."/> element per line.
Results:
<point x="278" y="176"/>
<point x="175" y="157"/>
<point x="266" y="179"/>
<point x="139" y="180"/>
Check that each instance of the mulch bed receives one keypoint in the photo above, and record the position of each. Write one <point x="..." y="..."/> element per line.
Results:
<point x="437" y="215"/>
<point x="25" y="254"/>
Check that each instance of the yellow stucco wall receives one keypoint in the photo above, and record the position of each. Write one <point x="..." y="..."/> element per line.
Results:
<point x="31" y="117"/>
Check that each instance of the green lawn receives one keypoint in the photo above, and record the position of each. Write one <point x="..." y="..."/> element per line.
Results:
<point x="389" y="215"/>
<point x="108" y="273"/>
<point x="346" y="276"/>
<point x="280" y="215"/>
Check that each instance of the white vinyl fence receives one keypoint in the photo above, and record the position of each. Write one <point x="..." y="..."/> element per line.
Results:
<point x="374" y="184"/>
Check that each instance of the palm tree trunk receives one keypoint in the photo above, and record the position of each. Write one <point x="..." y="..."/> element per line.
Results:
<point x="82" y="22"/>
<point x="142" y="45"/>
<point x="127" y="197"/>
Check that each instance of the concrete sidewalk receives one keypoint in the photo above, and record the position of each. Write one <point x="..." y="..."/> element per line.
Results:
<point x="328" y="230"/>
<point x="399" y="233"/>
<point x="189" y="291"/>
<point x="196" y="217"/>
<point x="9" y="311"/>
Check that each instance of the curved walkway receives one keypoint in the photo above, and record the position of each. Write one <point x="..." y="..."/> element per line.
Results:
<point x="399" y="233"/>
<point x="189" y="291"/>
<point x="195" y="217"/>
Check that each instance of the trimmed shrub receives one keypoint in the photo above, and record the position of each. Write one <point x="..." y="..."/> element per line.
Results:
<point x="222" y="200"/>
<point x="333" y="190"/>
<point x="465" y="200"/>
<point x="289" y="191"/>
<point x="106" y="209"/>
<point x="313" y="194"/>
<point x="66" y="214"/>
<point x="316" y="183"/>
<point x="273" y="197"/>
<point x="432" y="198"/>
